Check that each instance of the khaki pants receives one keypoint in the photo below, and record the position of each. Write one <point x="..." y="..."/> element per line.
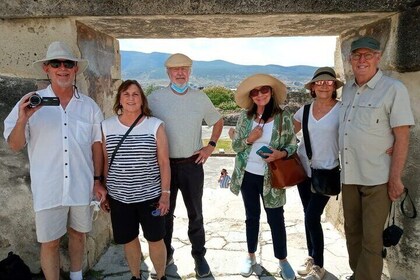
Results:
<point x="365" y="212"/>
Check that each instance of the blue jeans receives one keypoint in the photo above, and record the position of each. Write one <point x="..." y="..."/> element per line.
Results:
<point x="188" y="177"/>
<point x="251" y="190"/>
<point x="313" y="206"/>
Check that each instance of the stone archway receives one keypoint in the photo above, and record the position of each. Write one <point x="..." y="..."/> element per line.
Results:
<point x="91" y="28"/>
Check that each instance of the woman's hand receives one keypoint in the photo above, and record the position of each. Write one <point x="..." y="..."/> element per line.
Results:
<point x="105" y="205"/>
<point x="255" y="134"/>
<point x="164" y="204"/>
<point x="276" y="154"/>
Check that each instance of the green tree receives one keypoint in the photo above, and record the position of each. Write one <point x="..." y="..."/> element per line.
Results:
<point x="220" y="95"/>
<point x="150" y="88"/>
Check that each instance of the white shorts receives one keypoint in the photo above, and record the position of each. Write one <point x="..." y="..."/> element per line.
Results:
<point x="51" y="224"/>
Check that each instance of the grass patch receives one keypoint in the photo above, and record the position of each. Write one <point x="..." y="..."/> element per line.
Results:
<point x="223" y="143"/>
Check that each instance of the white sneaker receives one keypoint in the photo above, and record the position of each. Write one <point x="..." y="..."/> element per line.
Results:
<point x="246" y="267"/>
<point x="316" y="273"/>
<point x="306" y="267"/>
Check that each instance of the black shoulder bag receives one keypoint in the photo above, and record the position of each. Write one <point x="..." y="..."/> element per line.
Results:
<point x="122" y="140"/>
<point x="324" y="181"/>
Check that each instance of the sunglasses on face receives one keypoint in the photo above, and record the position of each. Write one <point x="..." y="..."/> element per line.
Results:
<point x="55" y="63"/>
<point x="263" y="90"/>
<point x="320" y="83"/>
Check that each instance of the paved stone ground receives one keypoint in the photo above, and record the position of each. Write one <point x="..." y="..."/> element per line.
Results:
<point x="226" y="241"/>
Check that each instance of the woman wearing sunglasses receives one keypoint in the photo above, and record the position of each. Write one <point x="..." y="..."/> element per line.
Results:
<point x="258" y="129"/>
<point x="323" y="131"/>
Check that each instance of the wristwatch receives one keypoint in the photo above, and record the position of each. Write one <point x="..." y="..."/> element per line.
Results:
<point x="212" y="143"/>
<point x="98" y="178"/>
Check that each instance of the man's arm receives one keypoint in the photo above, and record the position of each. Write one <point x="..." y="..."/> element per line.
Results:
<point x="206" y="151"/>
<point x="17" y="138"/>
<point x="399" y="156"/>
<point x="98" y="163"/>
<point x="217" y="130"/>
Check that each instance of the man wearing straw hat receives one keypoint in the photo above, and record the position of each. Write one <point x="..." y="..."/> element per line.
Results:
<point x="183" y="109"/>
<point x="65" y="155"/>
<point x="374" y="116"/>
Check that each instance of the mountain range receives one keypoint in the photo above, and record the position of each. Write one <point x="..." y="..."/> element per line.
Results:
<point x="148" y="69"/>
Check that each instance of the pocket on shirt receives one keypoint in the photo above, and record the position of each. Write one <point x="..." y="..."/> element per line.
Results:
<point x="369" y="113"/>
<point x="84" y="133"/>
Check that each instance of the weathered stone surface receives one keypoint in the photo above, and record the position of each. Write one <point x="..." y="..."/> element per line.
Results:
<point x="17" y="228"/>
<point x="45" y="8"/>
<point x="408" y="41"/>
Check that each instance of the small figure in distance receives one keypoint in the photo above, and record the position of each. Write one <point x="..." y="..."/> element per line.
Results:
<point x="224" y="179"/>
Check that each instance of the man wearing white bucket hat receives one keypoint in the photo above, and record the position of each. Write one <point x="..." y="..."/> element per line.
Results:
<point x="65" y="155"/>
<point x="183" y="109"/>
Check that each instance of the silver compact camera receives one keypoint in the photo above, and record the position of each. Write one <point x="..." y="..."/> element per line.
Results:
<point x="36" y="100"/>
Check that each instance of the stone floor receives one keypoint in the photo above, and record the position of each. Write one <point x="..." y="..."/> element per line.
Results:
<point x="226" y="241"/>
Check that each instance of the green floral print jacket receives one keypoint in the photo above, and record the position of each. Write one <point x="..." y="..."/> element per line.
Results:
<point x="272" y="198"/>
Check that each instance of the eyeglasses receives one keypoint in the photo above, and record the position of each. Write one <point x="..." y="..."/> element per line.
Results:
<point x="55" y="63"/>
<point x="320" y="83"/>
<point x="263" y="90"/>
<point x="357" y="56"/>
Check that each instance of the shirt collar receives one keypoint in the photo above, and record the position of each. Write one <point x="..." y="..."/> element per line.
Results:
<point x="51" y="93"/>
<point x="372" y="82"/>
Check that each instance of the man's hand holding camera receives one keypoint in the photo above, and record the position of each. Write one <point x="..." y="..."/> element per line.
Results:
<point x="26" y="111"/>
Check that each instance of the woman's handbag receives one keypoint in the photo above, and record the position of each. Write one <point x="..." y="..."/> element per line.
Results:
<point x="286" y="172"/>
<point x="324" y="181"/>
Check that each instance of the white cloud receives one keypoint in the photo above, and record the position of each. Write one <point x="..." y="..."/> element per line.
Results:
<point x="286" y="51"/>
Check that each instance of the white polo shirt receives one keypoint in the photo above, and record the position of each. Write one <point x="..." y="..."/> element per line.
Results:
<point x="367" y="116"/>
<point x="60" y="150"/>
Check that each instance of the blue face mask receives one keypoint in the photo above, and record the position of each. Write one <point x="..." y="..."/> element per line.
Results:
<point x="179" y="89"/>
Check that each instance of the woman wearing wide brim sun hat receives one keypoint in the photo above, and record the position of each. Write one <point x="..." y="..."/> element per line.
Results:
<point x="323" y="122"/>
<point x="258" y="125"/>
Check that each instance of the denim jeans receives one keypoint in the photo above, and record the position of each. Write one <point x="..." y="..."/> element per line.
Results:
<point x="251" y="190"/>
<point x="313" y="206"/>
<point x="188" y="177"/>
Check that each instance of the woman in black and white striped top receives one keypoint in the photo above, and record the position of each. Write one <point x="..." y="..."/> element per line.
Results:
<point x="138" y="179"/>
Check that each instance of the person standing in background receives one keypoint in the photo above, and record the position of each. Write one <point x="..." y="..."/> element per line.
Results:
<point x="65" y="157"/>
<point x="224" y="179"/>
<point x="183" y="110"/>
<point x="375" y="114"/>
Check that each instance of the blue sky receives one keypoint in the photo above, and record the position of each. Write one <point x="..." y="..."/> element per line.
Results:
<point x="285" y="51"/>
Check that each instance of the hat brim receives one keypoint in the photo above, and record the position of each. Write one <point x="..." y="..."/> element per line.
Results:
<point x="324" y="77"/>
<point x="242" y="97"/>
<point x="82" y="64"/>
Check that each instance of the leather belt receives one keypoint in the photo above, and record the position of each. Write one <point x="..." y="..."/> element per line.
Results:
<point x="184" y="160"/>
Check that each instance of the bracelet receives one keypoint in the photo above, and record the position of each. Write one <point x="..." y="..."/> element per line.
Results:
<point x="284" y="150"/>
<point x="166" y="191"/>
